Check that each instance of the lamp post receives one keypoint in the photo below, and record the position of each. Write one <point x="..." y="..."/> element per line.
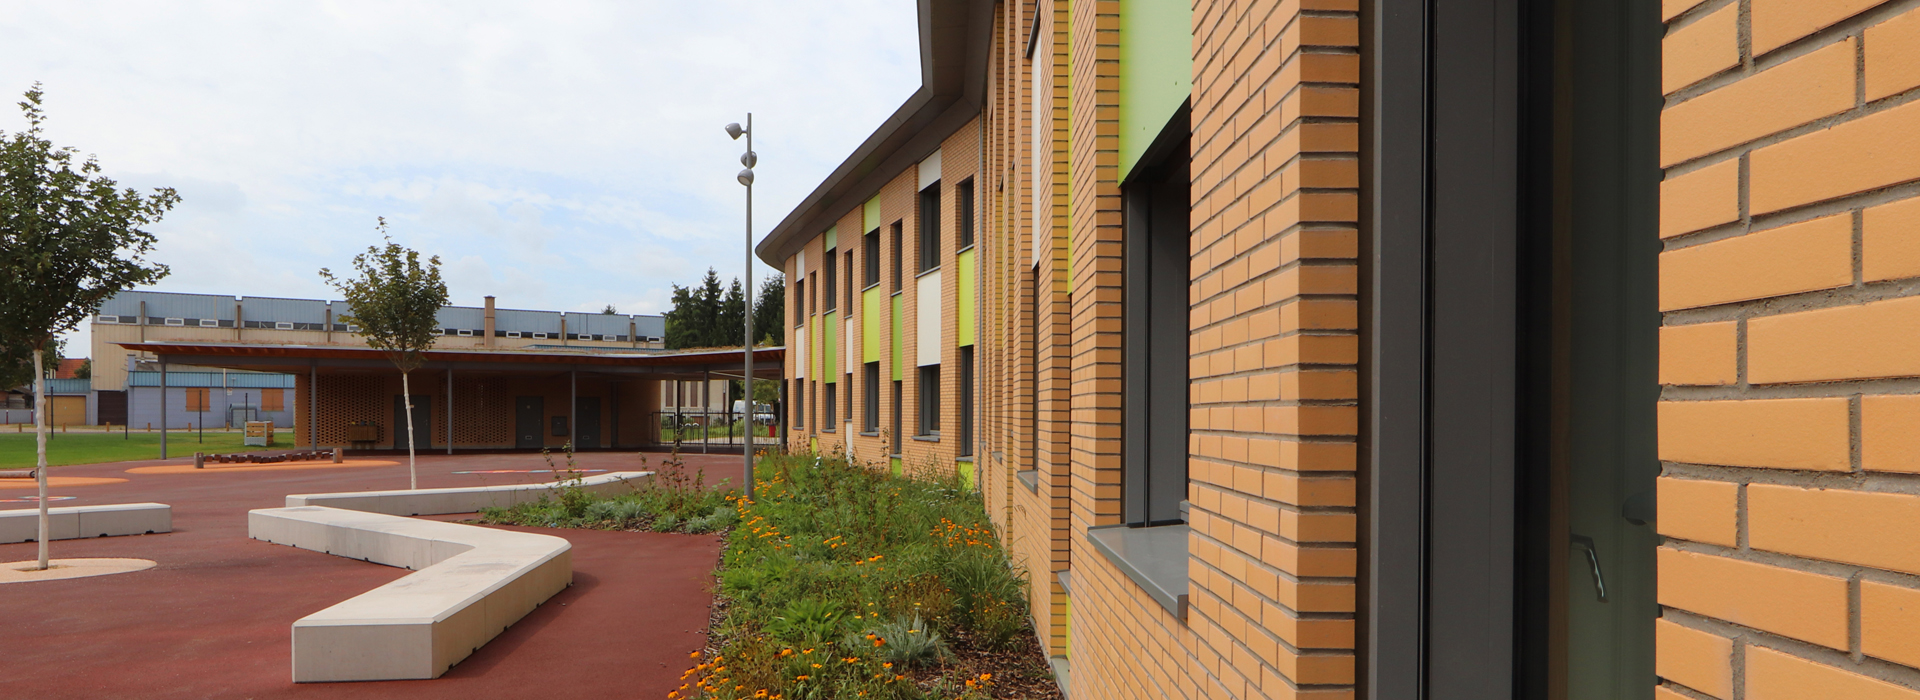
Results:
<point x="748" y="159"/>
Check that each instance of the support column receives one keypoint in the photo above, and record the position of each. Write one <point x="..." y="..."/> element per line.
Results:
<point x="448" y="411"/>
<point x="706" y="411"/>
<point x="163" y="410"/>
<point x="313" y="404"/>
<point x="573" y="404"/>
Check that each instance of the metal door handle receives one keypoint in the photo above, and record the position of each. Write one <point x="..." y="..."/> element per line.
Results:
<point x="1593" y="561"/>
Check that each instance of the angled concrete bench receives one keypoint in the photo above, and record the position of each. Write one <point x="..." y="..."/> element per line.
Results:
<point x="75" y="522"/>
<point x="470" y="584"/>
<point x="466" y="499"/>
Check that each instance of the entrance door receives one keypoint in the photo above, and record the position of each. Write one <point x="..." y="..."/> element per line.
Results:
<point x="113" y="407"/>
<point x="422" y="422"/>
<point x="527" y="414"/>
<point x="586" y="415"/>
<point x="1607" y="347"/>
<point x="68" y="410"/>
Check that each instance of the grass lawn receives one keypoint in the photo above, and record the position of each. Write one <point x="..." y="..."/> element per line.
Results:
<point x="17" y="449"/>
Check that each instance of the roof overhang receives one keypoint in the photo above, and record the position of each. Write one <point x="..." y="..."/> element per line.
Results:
<point x="298" y="359"/>
<point x="955" y="36"/>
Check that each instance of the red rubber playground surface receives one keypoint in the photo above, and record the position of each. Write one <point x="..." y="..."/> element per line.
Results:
<point x="213" y="619"/>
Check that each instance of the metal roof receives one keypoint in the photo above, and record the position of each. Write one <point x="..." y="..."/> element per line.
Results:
<point x="295" y="359"/>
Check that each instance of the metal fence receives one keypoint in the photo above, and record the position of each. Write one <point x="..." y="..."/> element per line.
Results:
<point x="705" y="430"/>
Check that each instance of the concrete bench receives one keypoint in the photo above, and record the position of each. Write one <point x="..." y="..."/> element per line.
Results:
<point x="76" y="522"/>
<point x="471" y="583"/>
<point x="466" y="499"/>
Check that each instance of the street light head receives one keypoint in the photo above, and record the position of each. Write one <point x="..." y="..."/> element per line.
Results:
<point x="745" y="177"/>
<point x="735" y="131"/>
<point x="749" y="159"/>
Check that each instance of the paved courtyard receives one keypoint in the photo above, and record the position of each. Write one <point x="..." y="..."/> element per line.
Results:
<point x="213" y="619"/>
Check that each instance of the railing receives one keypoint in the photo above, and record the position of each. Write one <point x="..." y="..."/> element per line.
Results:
<point x="702" y="430"/>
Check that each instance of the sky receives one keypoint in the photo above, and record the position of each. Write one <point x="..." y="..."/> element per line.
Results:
<point x="557" y="155"/>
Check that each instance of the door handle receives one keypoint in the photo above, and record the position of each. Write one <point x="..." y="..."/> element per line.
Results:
<point x="1593" y="561"/>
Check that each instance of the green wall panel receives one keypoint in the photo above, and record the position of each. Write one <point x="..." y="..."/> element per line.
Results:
<point x="829" y="353"/>
<point x="964" y="316"/>
<point x="832" y="235"/>
<point x="1156" y="71"/>
<point x="870" y="214"/>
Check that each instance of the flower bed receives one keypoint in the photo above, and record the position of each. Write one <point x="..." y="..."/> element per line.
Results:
<point x="841" y="581"/>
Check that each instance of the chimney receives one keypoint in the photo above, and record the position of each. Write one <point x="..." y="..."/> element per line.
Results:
<point x="488" y="341"/>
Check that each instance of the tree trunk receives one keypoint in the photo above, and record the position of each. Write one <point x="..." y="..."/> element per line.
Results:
<point x="406" y="399"/>
<point x="41" y="421"/>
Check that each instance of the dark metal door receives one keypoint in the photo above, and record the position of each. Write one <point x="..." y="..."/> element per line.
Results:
<point x="422" y="422"/>
<point x="113" y="407"/>
<point x="586" y="429"/>
<point x="527" y="412"/>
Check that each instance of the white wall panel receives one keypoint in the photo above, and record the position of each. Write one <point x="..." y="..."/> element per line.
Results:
<point x="927" y="307"/>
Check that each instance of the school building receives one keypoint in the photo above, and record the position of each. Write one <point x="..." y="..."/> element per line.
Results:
<point x="225" y="360"/>
<point x="1401" y="348"/>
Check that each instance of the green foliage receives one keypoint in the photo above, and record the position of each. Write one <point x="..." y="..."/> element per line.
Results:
<point x="677" y="502"/>
<point x="69" y="239"/>
<point x="710" y="315"/>
<point x="85" y="370"/>
<point x="770" y="313"/>
<point x="904" y="641"/>
<point x="16" y="366"/>
<point x="610" y="311"/>
<point x="846" y="581"/>
<point x="395" y="300"/>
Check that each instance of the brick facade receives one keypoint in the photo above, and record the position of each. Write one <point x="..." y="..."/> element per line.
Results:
<point x="1788" y="218"/>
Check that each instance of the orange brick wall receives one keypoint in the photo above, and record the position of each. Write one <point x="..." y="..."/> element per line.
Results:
<point x="1791" y="236"/>
<point x="899" y="202"/>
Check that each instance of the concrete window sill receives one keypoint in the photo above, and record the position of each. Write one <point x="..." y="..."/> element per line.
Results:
<point x="1154" y="557"/>
<point x="1030" y="478"/>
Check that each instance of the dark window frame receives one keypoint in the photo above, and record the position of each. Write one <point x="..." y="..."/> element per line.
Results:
<point x="829" y="269"/>
<point x="870" y="389"/>
<point x="964" y="212"/>
<point x="930" y="227"/>
<point x="829" y="404"/>
<point x="871" y="250"/>
<point x="928" y="386"/>
<point x="897" y="263"/>
<point x="1155" y="267"/>
<point x="964" y="418"/>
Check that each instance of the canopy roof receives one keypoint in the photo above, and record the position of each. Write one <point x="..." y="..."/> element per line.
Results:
<point x="300" y="359"/>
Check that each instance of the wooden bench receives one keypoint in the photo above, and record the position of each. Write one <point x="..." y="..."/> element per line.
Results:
<point x="470" y="584"/>
<point x="76" y="522"/>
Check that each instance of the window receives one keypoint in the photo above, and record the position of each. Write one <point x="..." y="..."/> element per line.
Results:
<point x="872" y="253"/>
<point x="966" y="401"/>
<point x="813" y="302"/>
<point x="870" y="417"/>
<point x="850" y="289"/>
<point x="930" y="400"/>
<point x="197" y="400"/>
<point x="899" y="405"/>
<point x="896" y="255"/>
<point x="829" y="295"/>
<point x="799" y="302"/>
<point x="965" y="191"/>
<point x="930" y="227"/>
<point x="799" y="403"/>
<point x="1155" y="262"/>
<point x="273" y="399"/>
<point x="827" y="405"/>
<point x="848" y="378"/>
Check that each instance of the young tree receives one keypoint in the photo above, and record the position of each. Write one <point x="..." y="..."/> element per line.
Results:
<point x="396" y="303"/>
<point x="85" y="370"/>
<point x="69" y="240"/>
<point x="610" y="311"/>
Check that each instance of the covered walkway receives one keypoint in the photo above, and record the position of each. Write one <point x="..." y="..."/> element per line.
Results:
<point x="482" y="399"/>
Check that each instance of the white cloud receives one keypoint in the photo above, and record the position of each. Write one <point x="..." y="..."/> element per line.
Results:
<point x="559" y="155"/>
